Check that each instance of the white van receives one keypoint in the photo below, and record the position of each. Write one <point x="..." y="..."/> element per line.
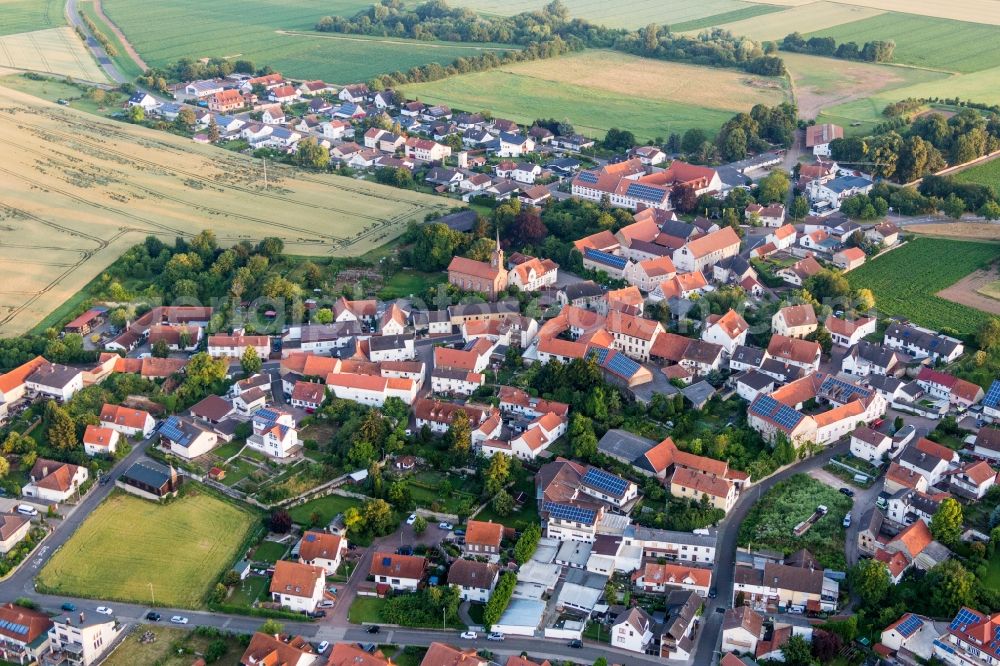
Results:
<point x="27" y="510"/>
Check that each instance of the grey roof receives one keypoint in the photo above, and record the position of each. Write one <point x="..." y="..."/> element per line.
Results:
<point x="698" y="393"/>
<point x="448" y="373"/>
<point x="918" y="459"/>
<point x="672" y="536"/>
<point x="334" y="331"/>
<point x="756" y="380"/>
<point x="147" y="472"/>
<point x="53" y="375"/>
<point x="843" y="183"/>
<point x="934" y="344"/>
<point x="424" y="317"/>
<point x="682" y="608"/>
<point x="650" y="247"/>
<point x="748" y="355"/>
<point x="499" y="307"/>
<point x="885" y="383"/>
<point x="736" y="263"/>
<point x="783" y="371"/>
<point x="624" y="445"/>
<point x="463" y="220"/>
<point x="386" y="342"/>
<point x="574" y="553"/>
<point x="584" y="289"/>
<point x="678" y="228"/>
<point x="874" y="354"/>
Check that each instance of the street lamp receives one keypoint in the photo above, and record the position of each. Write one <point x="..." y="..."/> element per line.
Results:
<point x="444" y="618"/>
<point x="151" y="593"/>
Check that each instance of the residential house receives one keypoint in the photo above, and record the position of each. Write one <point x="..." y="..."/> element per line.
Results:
<point x="233" y="346"/>
<point x="440" y="654"/>
<point x="795" y="321"/>
<point x="633" y="630"/>
<point x="819" y="137"/>
<point x="987" y="443"/>
<point x="277" y="650"/>
<point x="150" y="480"/>
<point x="742" y="628"/>
<point x="849" y="258"/>
<point x="509" y="144"/>
<point x="98" y="441"/>
<point x="398" y="572"/>
<point x="972" y="480"/>
<point x="76" y="641"/>
<point x="772" y="215"/>
<point x="322" y="549"/>
<point x="728" y="330"/>
<point x="274" y="434"/>
<point x="957" y="392"/>
<point x="866" y="358"/>
<point x="820" y="241"/>
<point x="226" y="101"/>
<point x="783" y="237"/>
<point x="800" y="271"/>
<point x="272" y="114"/>
<point x="656" y="577"/>
<point x="829" y="195"/>
<point x="848" y="332"/>
<point x="13" y="529"/>
<point x="680" y="620"/>
<point x="802" y="353"/>
<point x="786" y="585"/>
<point x="885" y="233"/>
<point x="426" y="149"/>
<point x="533" y="274"/>
<point x="54" y="481"/>
<point x="707" y="250"/>
<point x="129" y="422"/>
<point x="297" y="586"/>
<point x="56" y="381"/>
<point x="355" y="93"/>
<point x="475" y="580"/>
<point x="870" y="445"/>
<point x="646" y="275"/>
<point x="928" y="459"/>
<point x="308" y="396"/>
<point x="697" y="485"/>
<point x="482" y="539"/>
<point x="186" y="438"/>
<point x="24" y="634"/>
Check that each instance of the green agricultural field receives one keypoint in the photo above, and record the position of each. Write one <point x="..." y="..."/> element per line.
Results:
<point x="129" y="544"/>
<point x="772" y="520"/>
<point x="620" y="14"/>
<point x="27" y="15"/>
<point x="727" y="17"/>
<point x="122" y="60"/>
<point x="273" y="32"/>
<point x="915" y="297"/>
<point x="802" y="18"/>
<point x="954" y="46"/>
<point x="982" y="174"/>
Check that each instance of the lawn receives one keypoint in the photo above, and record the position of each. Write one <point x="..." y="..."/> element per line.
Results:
<point x="229" y="449"/>
<point x="129" y="544"/>
<point x="982" y="174"/>
<point x="930" y="265"/>
<point x="251" y="590"/>
<point x="771" y="522"/>
<point x="327" y="507"/>
<point x="596" y="90"/>
<point x="365" y="609"/>
<point x="278" y="33"/>
<point x="269" y="551"/>
<point x="923" y="41"/>
<point x="172" y="647"/>
<point x="27" y="15"/>
<point x="407" y="283"/>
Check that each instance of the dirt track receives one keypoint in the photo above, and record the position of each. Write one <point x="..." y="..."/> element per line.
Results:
<point x="964" y="291"/>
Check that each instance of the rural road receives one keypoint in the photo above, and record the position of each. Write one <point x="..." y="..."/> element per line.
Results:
<point x="100" y="55"/>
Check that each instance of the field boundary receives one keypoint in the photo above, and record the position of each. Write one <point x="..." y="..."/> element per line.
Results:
<point x="397" y="42"/>
<point x="129" y="49"/>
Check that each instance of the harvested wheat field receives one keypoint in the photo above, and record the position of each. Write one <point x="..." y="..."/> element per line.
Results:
<point x="54" y="51"/>
<point x="988" y="231"/>
<point x="802" y="18"/>
<point x="974" y="290"/>
<point x="976" y="11"/>
<point x="76" y="190"/>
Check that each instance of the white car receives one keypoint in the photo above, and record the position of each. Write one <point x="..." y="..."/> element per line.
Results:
<point x="327" y="604"/>
<point x="322" y="647"/>
<point x="470" y="635"/>
<point x="412" y="519"/>
<point x="179" y="619"/>
<point x="445" y="526"/>
<point x="104" y="610"/>
<point x="494" y="636"/>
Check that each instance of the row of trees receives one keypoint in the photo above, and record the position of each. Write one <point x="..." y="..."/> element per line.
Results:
<point x="873" y="51"/>
<point x="188" y="69"/>
<point x="757" y="131"/>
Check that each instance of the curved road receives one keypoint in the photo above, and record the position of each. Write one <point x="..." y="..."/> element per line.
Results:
<point x="100" y="55"/>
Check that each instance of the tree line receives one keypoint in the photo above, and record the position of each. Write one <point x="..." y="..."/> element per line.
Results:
<point x="544" y="33"/>
<point x="874" y="51"/>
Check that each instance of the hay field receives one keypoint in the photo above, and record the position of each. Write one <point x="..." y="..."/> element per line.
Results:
<point x="128" y="543"/>
<point x="954" y="46"/>
<point x="77" y="190"/>
<point x="803" y="18"/>
<point x="597" y="90"/>
<point x="54" y="51"/>
<point x="27" y="15"/>
<point x="977" y="86"/>
<point x="975" y="11"/>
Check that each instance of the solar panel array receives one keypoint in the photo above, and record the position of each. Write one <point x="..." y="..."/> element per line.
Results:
<point x="843" y="391"/>
<point x="171" y="430"/>
<point x="622" y="365"/>
<point x="909" y="626"/>
<point x="992" y="398"/>
<point x="13" y="627"/>
<point x="645" y="192"/>
<point x="571" y="513"/>
<point x="965" y="617"/>
<point x="606" y="258"/>
<point x="600" y="354"/>
<point x="764" y="406"/>
<point x="266" y="414"/>
<point x="588" y="177"/>
<point x="786" y="417"/>
<point x="605" y="482"/>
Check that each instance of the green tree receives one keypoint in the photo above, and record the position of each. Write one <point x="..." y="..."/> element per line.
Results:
<point x="503" y="503"/>
<point x="773" y="188"/>
<point x="250" y="361"/>
<point x="693" y="140"/>
<point x="272" y="627"/>
<point x="310" y="154"/>
<point x="185" y="119"/>
<point x="582" y="437"/>
<point x="160" y="349"/>
<point x="797" y="652"/>
<point x="323" y="316"/>
<point x="799" y="207"/>
<point x="460" y="433"/>
<point x="953" y="206"/>
<point x="864" y="300"/>
<point x="988" y="334"/>
<point x="419" y="525"/>
<point x="216" y="650"/>
<point x="527" y="543"/>
<point x="870" y="580"/>
<point x="213" y="130"/>
<point x="950" y="586"/>
<point x="499" y="599"/>
<point x="497" y="474"/>
<point x="62" y="431"/>
<point x="990" y="210"/>
<point x="378" y="515"/>
<point x="136" y="114"/>
<point x="946" y="523"/>
<point x="219" y="593"/>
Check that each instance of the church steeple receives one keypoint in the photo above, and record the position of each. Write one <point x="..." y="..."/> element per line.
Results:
<point x="496" y="261"/>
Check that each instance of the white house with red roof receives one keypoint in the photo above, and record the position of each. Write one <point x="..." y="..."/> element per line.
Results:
<point x="970" y="640"/>
<point x="533" y="274"/>
<point x="707" y="250"/>
<point x="948" y="387"/>
<point x="656" y="577"/>
<point x="728" y="330"/>
<point x="972" y="480"/>
<point x="274" y="433"/>
<point x="127" y="421"/>
<point x="98" y="441"/>
<point x="783" y="237"/>
<point x="370" y="390"/>
<point x="848" y="332"/>
<point x="772" y="215"/>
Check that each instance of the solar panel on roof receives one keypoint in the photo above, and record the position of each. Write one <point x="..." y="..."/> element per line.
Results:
<point x="606" y="258"/>
<point x="909" y="626"/>
<point x="622" y="365"/>
<point x="605" y="482"/>
<point x="645" y="192"/>
<point x="171" y="431"/>
<point x="964" y="617"/>
<point x="764" y="405"/>
<point x="571" y="513"/>
<point x="588" y="177"/>
<point x="992" y="398"/>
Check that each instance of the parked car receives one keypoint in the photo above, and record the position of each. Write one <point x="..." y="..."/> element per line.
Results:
<point x="27" y="510"/>
<point x="316" y="614"/>
<point x="575" y="643"/>
<point x="153" y="616"/>
<point x="179" y="619"/>
<point x="847" y="491"/>
<point x="327" y="604"/>
<point x="470" y="635"/>
<point x="847" y="520"/>
<point x="404" y="550"/>
<point x="412" y="519"/>
<point x="373" y="629"/>
<point x="104" y="610"/>
<point x="68" y="607"/>
<point x="713" y="593"/>
<point x="323" y="647"/>
<point x="494" y="636"/>
<point x="445" y="526"/>
<point x="460" y="533"/>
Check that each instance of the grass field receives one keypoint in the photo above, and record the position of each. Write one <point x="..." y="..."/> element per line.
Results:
<point x="852" y="91"/>
<point x="596" y="90"/>
<point x="128" y="543"/>
<point x="164" y="650"/>
<point x="981" y="11"/>
<point x="942" y="263"/>
<point x="771" y="522"/>
<point x="806" y="18"/>
<point x="328" y="507"/>
<point x="79" y="190"/>
<point x="28" y="15"/>
<point x="955" y="46"/>
<point x="726" y="17"/>
<point x="55" y="51"/>
<point x="166" y="32"/>
<point x="630" y="14"/>
<point x="982" y="174"/>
